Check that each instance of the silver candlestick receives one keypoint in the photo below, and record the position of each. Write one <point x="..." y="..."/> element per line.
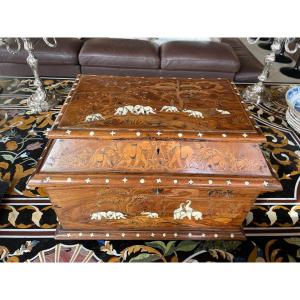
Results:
<point x="258" y="93"/>
<point x="38" y="101"/>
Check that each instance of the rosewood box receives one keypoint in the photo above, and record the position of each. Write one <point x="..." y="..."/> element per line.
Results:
<point x="153" y="158"/>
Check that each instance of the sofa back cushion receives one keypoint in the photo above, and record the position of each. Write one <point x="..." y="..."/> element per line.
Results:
<point x="202" y="56"/>
<point x="120" y="53"/>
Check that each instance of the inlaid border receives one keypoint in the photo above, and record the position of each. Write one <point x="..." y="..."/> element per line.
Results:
<point x="136" y="181"/>
<point x="118" y="134"/>
<point x="176" y="234"/>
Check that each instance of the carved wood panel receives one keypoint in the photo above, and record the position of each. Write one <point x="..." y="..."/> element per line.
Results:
<point x="155" y="156"/>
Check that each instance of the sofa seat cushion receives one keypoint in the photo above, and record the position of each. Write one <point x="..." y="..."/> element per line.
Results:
<point x="119" y="53"/>
<point x="65" y="53"/>
<point x="201" y="56"/>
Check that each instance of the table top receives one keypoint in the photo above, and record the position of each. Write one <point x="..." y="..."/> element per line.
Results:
<point x="112" y="107"/>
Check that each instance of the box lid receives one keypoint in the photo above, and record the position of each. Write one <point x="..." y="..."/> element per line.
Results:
<point x="115" y="107"/>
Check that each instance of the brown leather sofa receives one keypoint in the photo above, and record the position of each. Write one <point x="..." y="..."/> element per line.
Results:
<point x="227" y="59"/>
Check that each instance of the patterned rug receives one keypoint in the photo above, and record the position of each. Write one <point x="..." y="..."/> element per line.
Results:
<point x="28" y="222"/>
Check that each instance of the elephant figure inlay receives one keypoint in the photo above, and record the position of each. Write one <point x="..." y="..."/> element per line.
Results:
<point x="186" y="211"/>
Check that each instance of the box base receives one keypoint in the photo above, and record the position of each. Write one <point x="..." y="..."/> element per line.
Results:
<point x="203" y="234"/>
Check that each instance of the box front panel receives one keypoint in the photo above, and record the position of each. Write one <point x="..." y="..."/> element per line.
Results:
<point x="150" y="209"/>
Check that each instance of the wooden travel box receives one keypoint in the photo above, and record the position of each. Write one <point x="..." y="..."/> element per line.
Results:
<point x="153" y="158"/>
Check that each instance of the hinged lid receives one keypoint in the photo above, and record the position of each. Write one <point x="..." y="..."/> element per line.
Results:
<point x="113" y="107"/>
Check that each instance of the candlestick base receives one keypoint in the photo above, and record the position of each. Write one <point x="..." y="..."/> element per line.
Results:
<point x="40" y="101"/>
<point x="256" y="93"/>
